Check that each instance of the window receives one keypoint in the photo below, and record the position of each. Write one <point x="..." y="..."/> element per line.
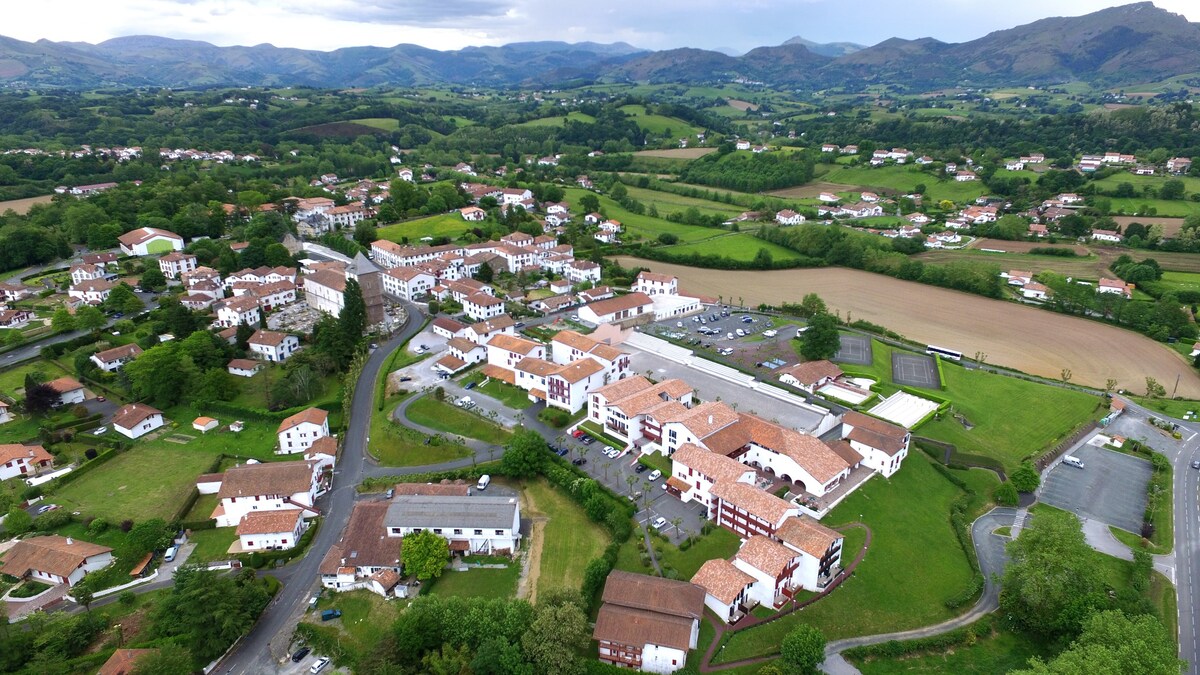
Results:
<point x="499" y="531"/>
<point x="478" y="532"/>
<point x="457" y="531"/>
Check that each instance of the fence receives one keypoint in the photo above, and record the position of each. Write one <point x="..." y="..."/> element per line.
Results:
<point x="1048" y="458"/>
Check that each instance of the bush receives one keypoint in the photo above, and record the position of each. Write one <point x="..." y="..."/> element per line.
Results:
<point x="126" y="525"/>
<point x="967" y="595"/>
<point x="52" y="520"/>
<point x="1026" y="478"/>
<point x="90" y="453"/>
<point x="1005" y="494"/>
<point x="555" y="417"/>
<point x="127" y="598"/>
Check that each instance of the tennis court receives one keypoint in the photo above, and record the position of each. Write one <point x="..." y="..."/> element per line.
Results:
<point x="854" y="349"/>
<point x="904" y="409"/>
<point x="915" y="370"/>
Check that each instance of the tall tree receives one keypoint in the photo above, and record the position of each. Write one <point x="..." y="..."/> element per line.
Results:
<point x="425" y="554"/>
<point x="89" y="318"/>
<point x="39" y="398"/>
<point x="62" y="319"/>
<point x="167" y="659"/>
<point x="353" y="318"/>
<point x="525" y="454"/>
<point x="122" y="299"/>
<point x="821" y="340"/>
<point x="803" y="648"/>
<point x="207" y="611"/>
<point x="558" y="634"/>
<point x="1114" y="643"/>
<point x="1052" y="583"/>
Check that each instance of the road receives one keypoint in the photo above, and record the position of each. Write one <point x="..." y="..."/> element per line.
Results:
<point x="1186" y="493"/>
<point x="34" y="349"/>
<point x="261" y="650"/>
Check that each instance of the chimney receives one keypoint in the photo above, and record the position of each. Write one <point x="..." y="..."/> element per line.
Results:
<point x="70" y="541"/>
<point x="710" y="419"/>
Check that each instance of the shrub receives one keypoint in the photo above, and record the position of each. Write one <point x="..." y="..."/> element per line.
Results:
<point x="555" y="417"/>
<point x="1026" y="478"/>
<point x="90" y="453"/>
<point x="126" y="525"/>
<point x="31" y="492"/>
<point x="1005" y="494"/>
<point x="97" y="526"/>
<point x="127" y="598"/>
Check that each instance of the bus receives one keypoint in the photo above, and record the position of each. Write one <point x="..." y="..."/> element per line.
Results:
<point x="944" y="353"/>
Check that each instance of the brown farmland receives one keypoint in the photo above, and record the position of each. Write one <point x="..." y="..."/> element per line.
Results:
<point x="1171" y="226"/>
<point x="741" y="105"/>
<point x="812" y="190"/>
<point x="1032" y="340"/>
<point x="676" y="153"/>
<point x="22" y="206"/>
<point x="1023" y="246"/>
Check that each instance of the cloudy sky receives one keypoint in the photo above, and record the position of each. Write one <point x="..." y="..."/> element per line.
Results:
<point x="451" y="24"/>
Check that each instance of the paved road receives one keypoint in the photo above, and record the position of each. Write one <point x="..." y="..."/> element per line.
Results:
<point x="34" y="349"/>
<point x="261" y="650"/>
<point x="1186" y="572"/>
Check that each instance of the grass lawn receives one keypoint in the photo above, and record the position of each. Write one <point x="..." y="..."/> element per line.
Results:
<point x="669" y="202"/>
<point x="559" y="121"/>
<point x="366" y="620"/>
<point x="510" y="395"/>
<point x="570" y="539"/>
<point x="203" y="508"/>
<point x="479" y="583"/>
<point x="1175" y="281"/>
<point x="1107" y="183"/>
<point x="396" y="445"/>
<point x="1162" y="207"/>
<point x="904" y="179"/>
<point x="659" y="124"/>
<point x="255" y="391"/>
<point x="12" y="380"/>
<point x="1000" y="652"/>
<point x="257" y="440"/>
<point x="148" y="481"/>
<point x="444" y="225"/>
<point x="212" y="545"/>
<point x="430" y="412"/>
<point x="384" y="123"/>
<point x="645" y="226"/>
<point x="739" y="246"/>
<point x="908" y="516"/>
<point x="1006" y="426"/>
<point x="720" y="543"/>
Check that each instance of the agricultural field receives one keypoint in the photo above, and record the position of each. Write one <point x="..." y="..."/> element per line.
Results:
<point x="1175" y="281"/>
<point x="1175" y="208"/>
<point x="568" y="540"/>
<point x="660" y="125"/>
<point x="1171" y="226"/>
<point x="1090" y="267"/>
<point x="22" y="206"/>
<point x="1110" y="183"/>
<point x="560" y="120"/>
<point x="904" y="179"/>
<point x="738" y="246"/>
<point x="445" y="225"/>
<point x="383" y="123"/>
<point x="1012" y="335"/>
<point x="812" y="190"/>
<point x="645" y="226"/>
<point x="676" y="153"/>
<point x="669" y="202"/>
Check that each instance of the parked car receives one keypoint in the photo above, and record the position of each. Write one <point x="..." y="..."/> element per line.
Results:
<point x="770" y="333"/>
<point x="470" y="385"/>
<point x="101" y="399"/>
<point x="561" y="452"/>
<point x="640" y="468"/>
<point x="612" y="453"/>
<point x="635" y="496"/>
<point x="578" y="433"/>
<point x="99" y="430"/>
<point x="330" y="615"/>
<point x="654" y="475"/>
<point x="574" y="317"/>
<point x="319" y="665"/>
<point x="520" y="324"/>
<point x="659" y="523"/>
<point x="587" y="440"/>
<point x="740" y="332"/>
<point x="580" y="462"/>
<point x="300" y="654"/>
<point x="729" y="336"/>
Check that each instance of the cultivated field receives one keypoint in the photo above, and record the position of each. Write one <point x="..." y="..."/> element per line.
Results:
<point x="1026" y="338"/>
<point x="1023" y="246"/>
<point x="1171" y="226"/>
<point x="741" y="105"/>
<point x="22" y="206"/>
<point x="738" y="246"/>
<point x="814" y="190"/>
<point x="444" y="225"/>
<point x="677" y="153"/>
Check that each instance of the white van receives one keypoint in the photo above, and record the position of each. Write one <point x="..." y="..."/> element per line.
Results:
<point x="1073" y="461"/>
<point x="484" y="481"/>
<point x="170" y="554"/>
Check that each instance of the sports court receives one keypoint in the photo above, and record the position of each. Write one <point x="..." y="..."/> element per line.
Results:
<point x="854" y="349"/>
<point x="915" y="370"/>
<point x="904" y="409"/>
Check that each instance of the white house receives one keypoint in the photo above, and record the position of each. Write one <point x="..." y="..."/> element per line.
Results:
<point x="726" y="589"/>
<point x="135" y="420"/>
<point x="273" y="346"/>
<point x="55" y="560"/>
<point x="472" y="214"/>
<point x="85" y="272"/>
<point x="965" y="176"/>
<point x="648" y="623"/>
<point x="271" y="486"/>
<point x="1107" y="235"/>
<point x="270" y="530"/>
<point x="1034" y="291"/>
<point x="238" y="310"/>
<point x="175" y="264"/>
<point x="568" y="346"/>
<point x="810" y="375"/>
<point x="771" y="565"/>
<point x="298" y="432"/>
<point x="883" y="445"/>
<point x="820" y="550"/>
<point x="582" y="271"/>
<point x="243" y="367"/>
<point x="363" y="557"/>
<point x="616" y="309"/>
<point x="111" y="360"/>
<point x="475" y="525"/>
<point x="149" y="241"/>
<point x="653" y="284"/>
<point x="325" y="289"/>
<point x="91" y="291"/>
<point x="481" y="306"/>
<point x="506" y="351"/>
<point x="408" y="282"/>
<point x="1115" y="286"/>
<point x="23" y="460"/>
<point x="69" y="390"/>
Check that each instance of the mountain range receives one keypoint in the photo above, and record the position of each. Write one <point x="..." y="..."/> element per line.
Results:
<point x="1120" y="45"/>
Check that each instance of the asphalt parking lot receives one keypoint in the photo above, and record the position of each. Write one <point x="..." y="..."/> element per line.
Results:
<point x="724" y="326"/>
<point x="1110" y="488"/>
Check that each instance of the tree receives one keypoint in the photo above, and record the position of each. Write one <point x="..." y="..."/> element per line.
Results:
<point x="1026" y="478"/>
<point x="1154" y="389"/>
<point x="803" y="648"/>
<point x="447" y="661"/>
<point x="365" y="234"/>
<point x="62" y="319"/>
<point x="821" y="340"/>
<point x="1011" y="227"/>
<point x="1112" y="642"/>
<point x="525" y="454"/>
<point x="558" y="634"/>
<point x="424" y="554"/>
<point x="161" y="374"/>
<point x="153" y="278"/>
<point x="168" y="659"/>
<point x="122" y="299"/>
<point x="812" y="305"/>
<point x="18" y="521"/>
<point x="763" y="259"/>
<point x="353" y="318"/>
<point x="242" y="338"/>
<point x="83" y="596"/>
<point x="1006" y="494"/>
<point x="207" y="611"/>
<point x="39" y="398"/>
<point x="484" y="275"/>
<point x="89" y="318"/>
<point x="1052" y="583"/>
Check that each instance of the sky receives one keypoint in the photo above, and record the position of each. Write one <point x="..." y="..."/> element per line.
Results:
<point x="731" y="25"/>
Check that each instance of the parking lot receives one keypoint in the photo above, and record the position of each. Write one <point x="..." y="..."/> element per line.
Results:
<point x="1110" y="488"/>
<point x="720" y="330"/>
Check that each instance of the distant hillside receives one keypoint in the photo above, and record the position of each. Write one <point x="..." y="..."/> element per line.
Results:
<point x="1119" y="45"/>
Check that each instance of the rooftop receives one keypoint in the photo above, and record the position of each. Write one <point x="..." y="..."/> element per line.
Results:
<point x="451" y="511"/>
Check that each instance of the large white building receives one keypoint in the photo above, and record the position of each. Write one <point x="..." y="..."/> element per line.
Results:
<point x="648" y="623"/>
<point x="55" y="560"/>
<point x="252" y="488"/>
<point x="270" y="345"/>
<point x="175" y="264"/>
<point x="135" y="420"/>
<point x="474" y="525"/>
<point x="298" y="432"/>
<point x="149" y="241"/>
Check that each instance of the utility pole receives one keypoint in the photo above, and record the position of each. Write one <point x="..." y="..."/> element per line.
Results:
<point x="1177" y="375"/>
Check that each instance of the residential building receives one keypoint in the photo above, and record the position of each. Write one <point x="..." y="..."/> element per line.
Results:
<point x="92" y="291"/>
<point x="1115" y="286"/>
<point x="648" y="623"/>
<point x="85" y="272"/>
<point x="1034" y="291"/>
<point x="582" y="271"/>
<point x="651" y="284"/>
<point x="15" y="318"/>
<point x="23" y="460"/>
<point x="472" y="214"/>
<point x="363" y="557"/>
<point x="111" y="360"/>
<point x="69" y="390"/>
<point x="270" y="530"/>
<point x="619" y="309"/>
<point x="481" y="306"/>
<point x="883" y="445"/>
<point x="506" y="351"/>
<point x="474" y="525"/>
<point x="243" y="367"/>
<point x="409" y="283"/>
<point x="174" y="264"/>
<point x="272" y="486"/>
<point x="135" y="420"/>
<point x="273" y="346"/>
<point x="298" y="432"/>
<point x="324" y="290"/>
<point x="567" y="346"/>
<point x="55" y="560"/>
<point x="811" y="375"/>
<point x="149" y="241"/>
<point x="1107" y="236"/>
<point x="463" y="353"/>
<point x="238" y="310"/>
<point x="625" y="408"/>
<point x="349" y="215"/>
<point x="481" y="333"/>
<point x="124" y="661"/>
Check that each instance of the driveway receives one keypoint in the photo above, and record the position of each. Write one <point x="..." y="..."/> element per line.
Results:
<point x="1111" y="488"/>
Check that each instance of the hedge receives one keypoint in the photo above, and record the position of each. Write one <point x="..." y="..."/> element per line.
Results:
<point x="210" y="524"/>
<point x="261" y="414"/>
<point x="968" y="594"/>
<point x="72" y="422"/>
<point x="941" y="375"/>
<point x="471" y="473"/>
<point x="948" y="454"/>
<point x="893" y="648"/>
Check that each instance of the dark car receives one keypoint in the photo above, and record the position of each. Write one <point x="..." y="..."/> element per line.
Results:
<point x="300" y="654"/>
<point x="587" y="440"/>
<point x="640" y="468"/>
<point x="470" y="385"/>
<point x="561" y="452"/>
<point x="520" y="324"/>
<point x="580" y="462"/>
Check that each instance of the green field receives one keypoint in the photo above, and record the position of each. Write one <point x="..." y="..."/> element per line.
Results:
<point x="644" y="226"/>
<point x="1174" y="282"/>
<point x="1109" y="183"/>
<point x="148" y="481"/>
<point x="1162" y="207"/>
<point x="385" y="123"/>
<point x="508" y="394"/>
<point x="669" y="202"/>
<point x="430" y="412"/>
<point x="560" y="120"/>
<point x="569" y="541"/>
<point x="366" y="621"/>
<point x="1000" y="652"/>
<point x="212" y="545"/>
<point x="908" y="516"/>
<point x="738" y="246"/>
<point x="660" y="125"/>
<point x="479" y="583"/>
<point x="904" y="179"/>
<point x="444" y="225"/>
<point x="394" y="445"/>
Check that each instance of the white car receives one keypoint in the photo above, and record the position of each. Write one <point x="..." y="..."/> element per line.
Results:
<point x="654" y="475"/>
<point x="99" y="430"/>
<point x="319" y="665"/>
<point x="741" y="333"/>
<point x="613" y="453"/>
<point x="770" y="333"/>
<point x="659" y="523"/>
